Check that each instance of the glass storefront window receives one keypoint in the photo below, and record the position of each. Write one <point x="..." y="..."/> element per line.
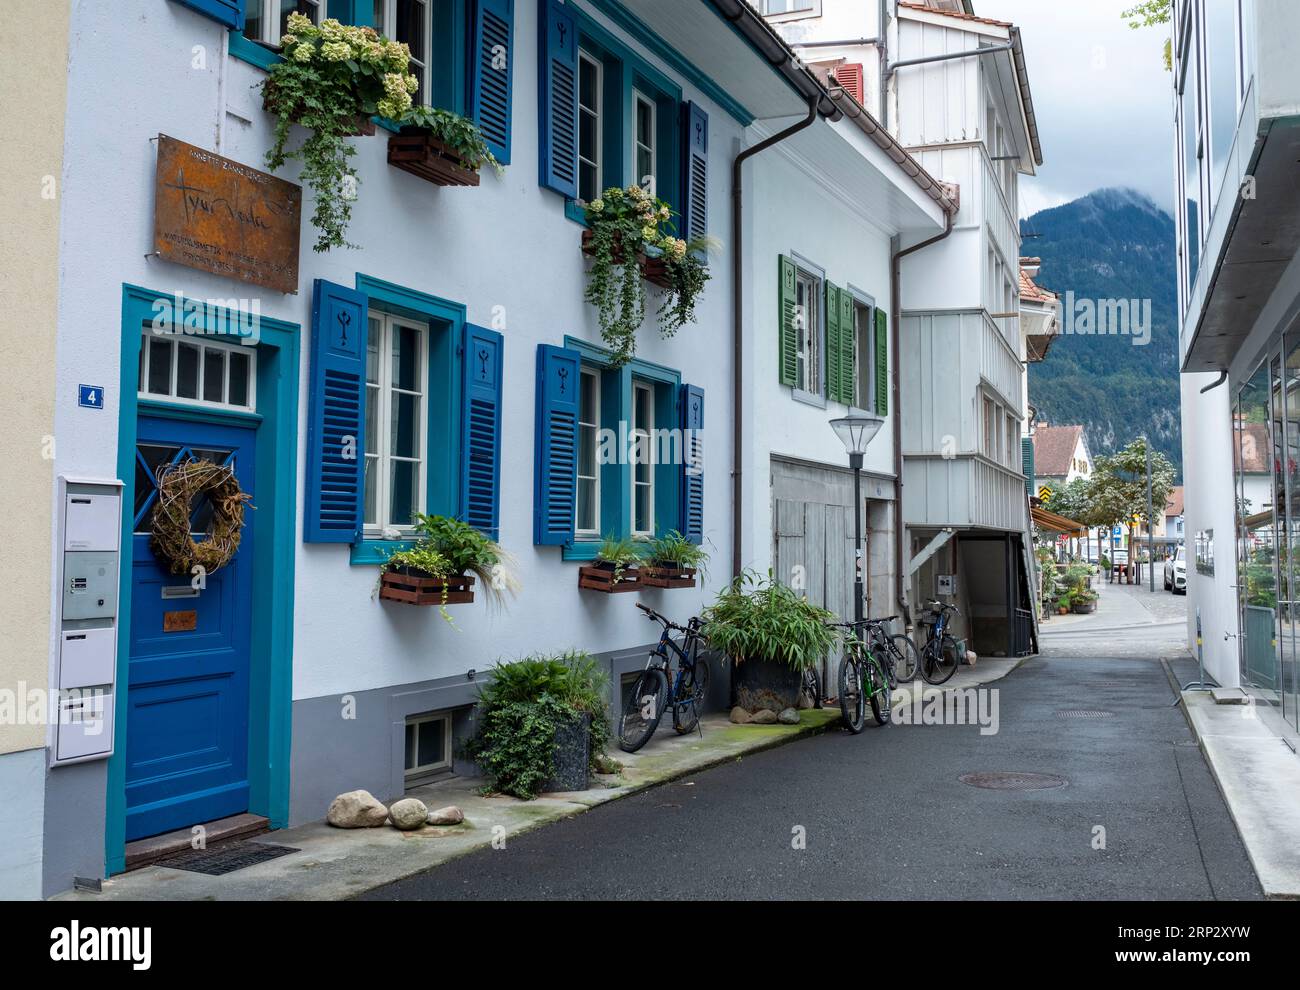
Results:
<point x="1220" y="31"/>
<point x="1256" y="556"/>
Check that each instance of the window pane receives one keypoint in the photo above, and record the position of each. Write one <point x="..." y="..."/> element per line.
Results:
<point x="410" y="746"/>
<point x="214" y="375"/>
<point x="586" y="521"/>
<point x="432" y="749"/>
<point x="406" y="357"/>
<point x="307" y="7"/>
<point x="587" y="452"/>
<point x="645" y="122"/>
<point x="374" y="336"/>
<point x="187" y="372"/>
<point x="1191" y="175"/>
<point x="404" y="476"/>
<point x="239" y="366"/>
<point x="410" y="27"/>
<point x="642" y="523"/>
<point x="588" y="90"/>
<point x="405" y="426"/>
<point x="588" y="183"/>
<point x="371" y="512"/>
<point x="587" y="136"/>
<point x="1221" y="63"/>
<point x="160" y="367"/>
<point x="253" y="19"/>
<point x="372" y="419"/>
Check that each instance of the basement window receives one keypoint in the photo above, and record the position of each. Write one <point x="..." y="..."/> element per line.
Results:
<point x="428" y="746"/>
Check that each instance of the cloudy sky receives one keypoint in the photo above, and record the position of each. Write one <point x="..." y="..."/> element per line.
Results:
<point x="1102" y="97"/>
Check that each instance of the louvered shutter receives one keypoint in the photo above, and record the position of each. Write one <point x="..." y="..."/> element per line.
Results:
<point x="1027" y="463"/>
<point x="882" y="362"/>
<point x="834" y="383"/>
<point x="789" y="324"/>
<point x="493" y="65"/>
<point x="555" y="451"/>
<point x="848" y="330"/>
<point x="558" y="106"/>
<point x="849" y="76"/>
<point x="227" y="12"/>
<point x="481" y="429"/>
<point x="336" y="424"/>
<point x="692" y="487"/>
<point x="695" y="172"/>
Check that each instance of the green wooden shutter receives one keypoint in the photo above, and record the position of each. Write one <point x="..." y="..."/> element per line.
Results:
<point x="848" y="331"/>
<point x="834" y="378"/>
<point x="1027" y="463"/>
<point x="789" y="335"/>
<point x="882" y="362"/>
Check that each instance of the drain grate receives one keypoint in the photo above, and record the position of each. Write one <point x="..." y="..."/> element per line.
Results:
<point x="1083" y="713"/>
<point x="227" y="858"/>
<point x="1002" y="780"/>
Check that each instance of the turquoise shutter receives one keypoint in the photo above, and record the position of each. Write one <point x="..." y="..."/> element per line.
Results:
<point x="227" y="12"/>
<point x="336" y="418"/>
<point x="789" y="331"/>
<point x="695" y="172"/>
<point x="692" y="487"/>
<point x="480" y="493"/>
<point x="493" y="62"/>
<point x="1027" y="463"/>
<point x="833" y="386"/>
<point x="558" y="107"/>
<point x="882" y="362"/>
<point x="555" y="452"/>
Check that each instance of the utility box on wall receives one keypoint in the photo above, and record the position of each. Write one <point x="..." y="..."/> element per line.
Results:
<point x="90" y="535"/>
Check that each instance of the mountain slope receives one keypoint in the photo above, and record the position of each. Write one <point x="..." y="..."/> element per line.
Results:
<point x="1110" y="244"/>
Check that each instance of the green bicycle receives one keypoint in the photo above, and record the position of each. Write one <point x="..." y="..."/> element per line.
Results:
<point x="862" y="680"/>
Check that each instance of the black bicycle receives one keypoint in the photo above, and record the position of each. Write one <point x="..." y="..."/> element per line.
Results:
<point x="862" y="679"/>
<point x="939" y="656"/>
<point x="897" y="653"/>
<point x="681" y="686"/>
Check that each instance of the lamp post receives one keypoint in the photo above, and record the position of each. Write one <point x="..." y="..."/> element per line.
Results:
<point x="856" y="431"/>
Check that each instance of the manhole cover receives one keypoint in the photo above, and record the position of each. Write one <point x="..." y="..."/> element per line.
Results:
<point x="226" y="858"/>
<point x="1002" y="780"/>
<point x="1083" y="713"/>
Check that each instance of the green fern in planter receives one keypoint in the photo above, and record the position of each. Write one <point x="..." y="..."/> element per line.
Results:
<point x="760" y="619"/>
<point x="672" y="550"/>
<point x="458" y="133"/>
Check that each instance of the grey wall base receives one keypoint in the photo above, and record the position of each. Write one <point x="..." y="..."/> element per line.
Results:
<point x="75" y="806"/>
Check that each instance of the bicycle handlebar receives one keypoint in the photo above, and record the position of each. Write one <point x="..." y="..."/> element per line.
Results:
<point x="654" y="616"/>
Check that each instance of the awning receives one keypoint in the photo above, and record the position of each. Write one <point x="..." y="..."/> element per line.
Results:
<point x="1052" y="523"/>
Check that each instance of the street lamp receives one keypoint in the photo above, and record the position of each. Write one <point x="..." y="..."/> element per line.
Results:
<point x="856" y="431"/>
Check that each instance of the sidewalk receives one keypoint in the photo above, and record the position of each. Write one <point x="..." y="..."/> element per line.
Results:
<point x="337" y="864"/>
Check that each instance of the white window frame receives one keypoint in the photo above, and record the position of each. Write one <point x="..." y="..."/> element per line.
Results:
<point x="598" y="162"/>
<point x="419" y="770"/>
<point x="271" y="24"/>
<point x="804" y="8"/>
<point x="808" y="352"/>
<point x="381" y="458"/>
<point x="864" y="364"/>
<point x="639" y="98"/>
<point x="204" y="344"/>
<point x="594" y="424"/>
<point x="637" y="431"/>
<point x="389" y="30"/>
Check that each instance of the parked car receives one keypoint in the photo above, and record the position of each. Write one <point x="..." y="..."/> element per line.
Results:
<point x="1176" y="572"/>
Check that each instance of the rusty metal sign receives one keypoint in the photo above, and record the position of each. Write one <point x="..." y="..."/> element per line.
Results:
<point x="186" y="621"/>
<point x="216" y="215"/>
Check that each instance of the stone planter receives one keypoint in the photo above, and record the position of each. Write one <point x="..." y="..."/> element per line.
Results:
<point x="1084" y="608"/>
<point x="758" y="684"/>
<point x="572" y="756"/>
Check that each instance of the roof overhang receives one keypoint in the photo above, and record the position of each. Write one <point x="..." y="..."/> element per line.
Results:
<point x="1050" y="522"/>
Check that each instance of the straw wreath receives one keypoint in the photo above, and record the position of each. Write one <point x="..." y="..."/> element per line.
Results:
<point x="178" y="485"/>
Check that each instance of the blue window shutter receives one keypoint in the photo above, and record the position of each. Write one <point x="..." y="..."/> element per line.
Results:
<point x="227" y="12"/>
<point x="493" y="63"/>
<point x="336" y="424"/>
<point x="555" y="452"/>
<point x="558" y="108"/>
<point x="695" y="172"/>
<point x="692" y="515"/>
<point x="480" y="494"/>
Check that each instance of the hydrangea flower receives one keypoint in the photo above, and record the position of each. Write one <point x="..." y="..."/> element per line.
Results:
<point x="595" y="206"/>
<point x="336" y="51"/>
<point x="303" y="53"/>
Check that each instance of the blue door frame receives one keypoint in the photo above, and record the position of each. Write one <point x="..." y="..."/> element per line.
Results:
<point x="274" y="527"/>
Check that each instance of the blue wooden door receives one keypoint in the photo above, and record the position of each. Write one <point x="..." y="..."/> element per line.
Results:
<point x="187" y="700"/>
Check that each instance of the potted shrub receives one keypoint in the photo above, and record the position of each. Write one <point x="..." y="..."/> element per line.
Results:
<point x="628" y="238"/>
<point x="440" y="147"/>
<point x="1084" y="602"/>
<point x="772" y="634"/>
<point x="543" y="725"/>
<point x="448" y="557"/>
<point x="671" y="561"/>
<point x="1063" y="605"/>
<point x="614" y="568"/>
<point x="332" y="80"/>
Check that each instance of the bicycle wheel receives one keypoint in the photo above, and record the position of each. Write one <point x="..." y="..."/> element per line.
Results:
<point x="812" y="687"/>
<point x="695" y="688"/>
<point x="853" y="703"/>
<point x="939" y="662"/>
<point x="881" y="698"/>
<point x="907" y="659"/>
<point x="644" y="708"/>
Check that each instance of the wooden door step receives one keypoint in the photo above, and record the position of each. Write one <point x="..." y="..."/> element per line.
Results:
<point x="143" y="852"/>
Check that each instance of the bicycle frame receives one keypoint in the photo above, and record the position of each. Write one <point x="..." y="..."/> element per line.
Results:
<point x="686" y="658"/>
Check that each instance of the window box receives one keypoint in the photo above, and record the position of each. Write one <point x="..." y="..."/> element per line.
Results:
<point x="603" y="577"/>
<point x="653" y="270"/>
<point x="412" y="587"/>
<point x="667" y="576"/>
<point x="425" y="156"/>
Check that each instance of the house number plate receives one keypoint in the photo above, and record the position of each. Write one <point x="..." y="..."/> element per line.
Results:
<point x="186" y="621"/>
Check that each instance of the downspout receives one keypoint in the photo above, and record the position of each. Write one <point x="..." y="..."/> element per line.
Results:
<point x="738" y="321"/>
<point x="895" y="349"/>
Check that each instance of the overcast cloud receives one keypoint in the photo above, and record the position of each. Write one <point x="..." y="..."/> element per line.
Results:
<point x="1102" y="98"/>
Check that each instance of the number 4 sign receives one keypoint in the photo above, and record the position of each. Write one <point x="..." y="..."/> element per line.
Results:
<point x="90" y="396"/>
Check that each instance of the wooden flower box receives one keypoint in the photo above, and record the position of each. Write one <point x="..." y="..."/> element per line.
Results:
<point x="653" y="270"/>
<point x="602" y="577"/>
<point x="425" y="156"/>
<point x="667" y="577"/>
<point x="413" y="588"/>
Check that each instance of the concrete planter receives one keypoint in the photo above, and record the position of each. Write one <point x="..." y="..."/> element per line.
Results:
<point x="572" y="756"/>
<point x="758" y="684"/>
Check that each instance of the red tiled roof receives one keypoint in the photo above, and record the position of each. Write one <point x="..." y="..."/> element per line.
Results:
<point x="1174" y="507"/>
<point x="1054" y="448"/>
<point x="954" y="13"/>
<point x="1031" y="290"/>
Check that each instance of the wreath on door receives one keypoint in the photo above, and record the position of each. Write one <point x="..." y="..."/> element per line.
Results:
<point x="170" y="537"/>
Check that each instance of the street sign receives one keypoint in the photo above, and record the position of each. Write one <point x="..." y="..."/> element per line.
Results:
<point x="90" y="396"/>
<point x="1045" y="494"/>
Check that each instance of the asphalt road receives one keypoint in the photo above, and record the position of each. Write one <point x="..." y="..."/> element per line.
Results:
<point x="884" y="815"/>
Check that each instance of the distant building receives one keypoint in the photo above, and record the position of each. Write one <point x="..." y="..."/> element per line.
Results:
<point x="1060" y="455"/>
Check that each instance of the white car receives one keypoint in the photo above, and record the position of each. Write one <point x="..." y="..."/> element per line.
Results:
<point x="1176" y="572"/>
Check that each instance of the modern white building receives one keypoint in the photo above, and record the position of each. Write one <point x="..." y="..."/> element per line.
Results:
<point x="952" y="87"/>
<point x="450" y="342"/>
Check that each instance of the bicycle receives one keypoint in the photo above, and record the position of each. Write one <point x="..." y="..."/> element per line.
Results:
<point x="652" y="694"/>
<point x="897" y="652"/>
<point x="939" y="657"/>
<point x="812" y="688"/>
<point x="862" y="679"/>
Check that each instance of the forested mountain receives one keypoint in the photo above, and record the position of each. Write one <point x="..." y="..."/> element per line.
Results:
<point x="1111" y="244"/>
